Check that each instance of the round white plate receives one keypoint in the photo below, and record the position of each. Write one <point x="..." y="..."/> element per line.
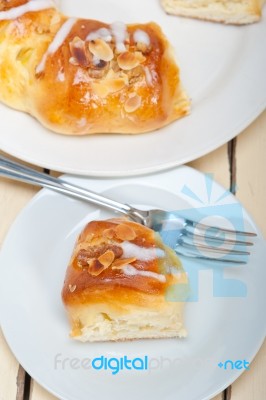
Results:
<point x="33" y="262"/>
<point x="223" y="71"/>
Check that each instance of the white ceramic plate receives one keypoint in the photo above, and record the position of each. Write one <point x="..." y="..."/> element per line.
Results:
<point x="33" y="262"/>
<point x="222" y="68"/>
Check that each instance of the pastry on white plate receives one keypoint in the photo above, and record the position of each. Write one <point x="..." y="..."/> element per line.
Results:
<point x="81" y="76"/>
<point x="118" y="284"/>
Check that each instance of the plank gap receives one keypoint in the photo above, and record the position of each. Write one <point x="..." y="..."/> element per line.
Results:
<point x="231" y="149"/>
<point x="27" y="386"/>
<point x="46" y="171"/>
<point x="227" y="393"/>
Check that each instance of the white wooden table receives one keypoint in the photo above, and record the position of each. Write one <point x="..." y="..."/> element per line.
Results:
<point x="240" y="164"/>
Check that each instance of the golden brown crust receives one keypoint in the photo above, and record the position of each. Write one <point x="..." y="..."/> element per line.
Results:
<point x="72" y="94"/>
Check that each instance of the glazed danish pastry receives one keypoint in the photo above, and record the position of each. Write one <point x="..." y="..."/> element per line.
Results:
<point x="79" y="76"/>
<point x="123" y="283"/>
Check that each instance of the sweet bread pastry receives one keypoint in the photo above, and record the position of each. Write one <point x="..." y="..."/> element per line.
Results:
<point x="228" y="11"/>
<point x="79" y="76"/>
<point x="119" y="282"/>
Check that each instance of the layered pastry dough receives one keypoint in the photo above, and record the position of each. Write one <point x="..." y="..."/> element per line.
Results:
<point x="228" y="11"/>
<point x="79" y="76"/>
<point x="123" y="283"/>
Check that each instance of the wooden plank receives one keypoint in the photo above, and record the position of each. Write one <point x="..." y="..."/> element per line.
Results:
<point x="251" y="167"/>
<point x="13" y="197"/>
<point x="251" y="191"/>
<point x="8" y="372"/>
<point x="219" y="397"/>
<point x="215" y="163"/>
<point x="39" y="393"/>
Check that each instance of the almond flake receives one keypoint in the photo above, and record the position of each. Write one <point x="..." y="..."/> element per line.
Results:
<point x="100" y="49"/>
<point x="121" y="262"/>
<point x="109" y="233"/>
<point x="129" y="60"/>
<point x="107" y="258"/>
<point x="72" y="288"/>
<point x="79" y="52"/>
<point x="125" y="232"/>
<point x="132" y="104"/>
<point x="96" y="268"/>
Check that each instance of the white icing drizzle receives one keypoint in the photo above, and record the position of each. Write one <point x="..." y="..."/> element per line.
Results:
<point x="119" y="31"/>
<point x="132" y="271"/>
<point x="140" y="36"/>
<point x="141" y="253"/>
<point x="57" y="42"/>
<point x="148" y="76"/>
<point x="32" y="5"/>
<point x="102" y="33"/>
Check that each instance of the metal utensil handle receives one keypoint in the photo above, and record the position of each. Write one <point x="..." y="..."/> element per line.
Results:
<point x="16" y="171"/>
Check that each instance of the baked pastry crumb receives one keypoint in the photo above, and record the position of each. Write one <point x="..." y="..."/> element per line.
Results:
<point x="236" y="12"/>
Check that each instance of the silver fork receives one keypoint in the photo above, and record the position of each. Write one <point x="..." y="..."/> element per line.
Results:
<point x="187" y="234"/>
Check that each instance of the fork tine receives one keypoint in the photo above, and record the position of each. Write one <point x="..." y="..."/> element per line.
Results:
<point x="205" y="258"/>
<point x="215" y="228"/>
<point x="216" y="239"/>
<point x="217" y="250"/>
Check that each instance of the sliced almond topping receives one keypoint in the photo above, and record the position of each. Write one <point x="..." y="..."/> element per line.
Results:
<point x="79" y="52"/>
<point x="125" y="232"/>
<point x="120" y="263"/>
<point x="96" y="267"/>
<point x="72" y="288"/>
<point x="100" y="49"/>
<point x="128" y="60"/>
<point x="107" y="258"/>
<point x="109" y="233"/>
<point x="132" y="104"/>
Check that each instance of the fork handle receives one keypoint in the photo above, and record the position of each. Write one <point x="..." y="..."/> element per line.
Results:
<point x="17" y="171"/>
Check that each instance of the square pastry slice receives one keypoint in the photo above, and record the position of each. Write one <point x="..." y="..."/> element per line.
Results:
<point x="230" y="11"/>
<point x="120" y="283"/>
